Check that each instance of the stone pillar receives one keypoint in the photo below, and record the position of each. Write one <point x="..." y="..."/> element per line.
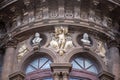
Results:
<point x="65" y="75"/>
<point x="61" y="8"/>
<point x="1" y="61"/>
<point x="114" y="60"/>
<point x="62" y="70"/>
<point x="17" y="76"/>
<point x="106" y="76"/>
<point x="8" y="61"/>
<point x="56" y="76"/>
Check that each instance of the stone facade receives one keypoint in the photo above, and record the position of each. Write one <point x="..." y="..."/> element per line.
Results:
<point x="60" y="30"/>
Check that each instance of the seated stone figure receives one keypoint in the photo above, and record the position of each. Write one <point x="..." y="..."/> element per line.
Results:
<point x="85" y="39"/>
<point x="37" y="39"/>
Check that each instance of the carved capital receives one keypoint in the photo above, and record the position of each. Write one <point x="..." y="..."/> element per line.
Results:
<point x="56" y="74"/>
<point x="65" y="74"/>
<point x="11" y="43"/>
<point x="106" y="76"/>
<point x="63" y="68"/>
<point x="17" y="76"/>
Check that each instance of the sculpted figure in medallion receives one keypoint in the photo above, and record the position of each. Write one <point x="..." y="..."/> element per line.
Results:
<point x="37" y="39"/>
<point x="85" y="39"/>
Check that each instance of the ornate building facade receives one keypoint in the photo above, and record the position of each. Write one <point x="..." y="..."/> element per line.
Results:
<point x="59" y="39"/>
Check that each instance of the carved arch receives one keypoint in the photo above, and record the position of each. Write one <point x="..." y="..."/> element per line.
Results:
<point x="88" y="53"/>
<point x="43" y="52"/>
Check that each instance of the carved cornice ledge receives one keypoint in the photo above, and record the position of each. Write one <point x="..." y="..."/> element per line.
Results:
<point x="61" y="67"/>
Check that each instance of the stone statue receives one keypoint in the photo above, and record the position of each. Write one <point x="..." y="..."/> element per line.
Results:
<point x="37" y="39"/>
<point x="61" y="37"/>
<point x="69" y="43"/>
<point x="91" y="16"/>
<point x="101" y="49"/>
<point x="54" y="44"/>
<point x="22" y="51"/>
<point x="61" y="41"/>
<point x="85" y="39"/>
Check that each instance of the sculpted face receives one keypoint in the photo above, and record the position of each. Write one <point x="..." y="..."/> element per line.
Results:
<point x="37" y="34"/>
<point x="85" y="36"/>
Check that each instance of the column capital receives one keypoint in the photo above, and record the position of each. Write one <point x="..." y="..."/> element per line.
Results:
<point x="56" y="73"/>
<point x="106" y="76"/>
<point x="65" y="73"/>
<point x="61" y="70"/>
<point x="17" y="76"/>
<point x="61" y="67"/>
<point x="11" y="43"/>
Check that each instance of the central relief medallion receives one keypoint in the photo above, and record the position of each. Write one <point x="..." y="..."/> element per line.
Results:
<point x="61" y="40"/>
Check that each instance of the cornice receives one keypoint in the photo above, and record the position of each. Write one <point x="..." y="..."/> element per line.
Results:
<point x="116" y="2"/>
<point x="5" y="3"/>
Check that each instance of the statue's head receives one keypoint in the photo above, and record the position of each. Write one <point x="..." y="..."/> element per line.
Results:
<point x="85" y="36"/>
<point x="37" y="34"/>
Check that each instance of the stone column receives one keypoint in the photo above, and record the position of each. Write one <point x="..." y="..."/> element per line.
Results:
<point x="63" y="70"/>
<point x="56" y="76"/>
<point x="65" y="76"/>
<point x="17" y="76"/>
<point x="8" y="61"/>
<point x="61" y="8"/>
<point x="115" y="61"/>
<point x="106" y="76"/>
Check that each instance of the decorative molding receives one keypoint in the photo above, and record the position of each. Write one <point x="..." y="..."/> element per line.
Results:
<point x="61" y="70"/>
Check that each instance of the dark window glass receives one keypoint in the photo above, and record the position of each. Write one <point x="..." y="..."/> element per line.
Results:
<point x="84" y="64"/>
<point x="40" y="63"/>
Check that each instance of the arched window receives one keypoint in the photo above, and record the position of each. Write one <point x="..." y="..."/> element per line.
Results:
<point x="37" y="64"/>
<point x="84" y="64"/>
